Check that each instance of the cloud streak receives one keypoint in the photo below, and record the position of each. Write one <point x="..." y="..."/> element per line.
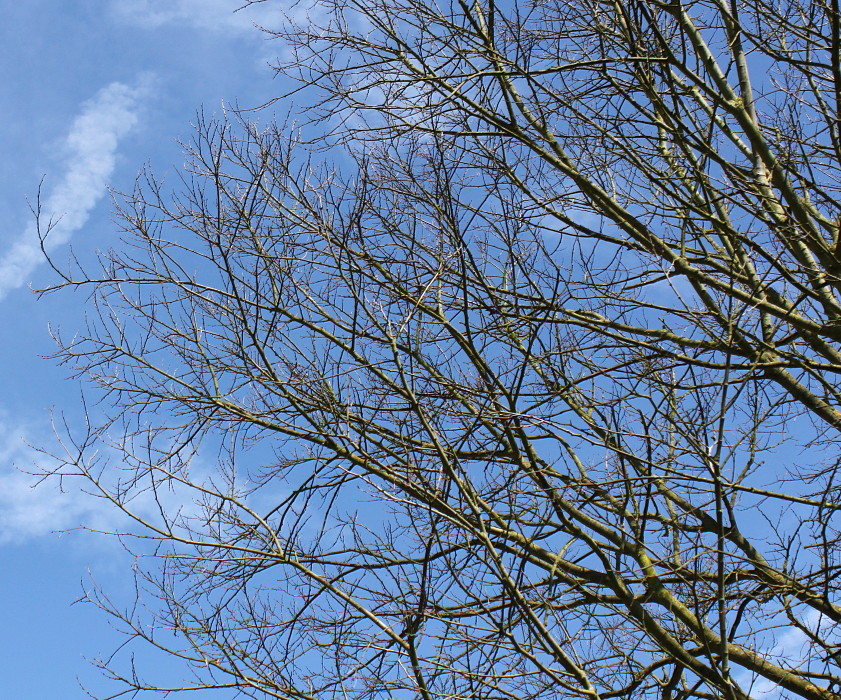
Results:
<point x="31" y="507"/>
<point x="214" y="15"/>
<point x="91" y="150"/>
<point x="790" y="647"/>
<point x="41" y="495"/>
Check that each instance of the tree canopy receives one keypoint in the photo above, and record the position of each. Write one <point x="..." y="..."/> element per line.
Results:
<point x="512" y="372"/>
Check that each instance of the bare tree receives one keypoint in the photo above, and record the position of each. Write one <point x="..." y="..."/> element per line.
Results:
<point x="519" y="380"/>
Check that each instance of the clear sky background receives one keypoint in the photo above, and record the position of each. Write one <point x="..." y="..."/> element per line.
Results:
<point x="91" y="91"/>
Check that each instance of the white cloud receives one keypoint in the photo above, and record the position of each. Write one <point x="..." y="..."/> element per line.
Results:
<point x="90" y="148"/>
<point x="40" y="495"/>
<point x="32" y="507"/>
<point x="790" y="648"/>
<point x="214" y="15"/>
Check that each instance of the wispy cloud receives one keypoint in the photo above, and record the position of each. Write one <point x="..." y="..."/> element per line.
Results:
<point x="40" y="494"/>
<point x="790" y="648"/>
<point x="90" y="150"/>
<point x="42" y="491"/>
<point x="214" y="15"/>
<point x="32" y="507"/>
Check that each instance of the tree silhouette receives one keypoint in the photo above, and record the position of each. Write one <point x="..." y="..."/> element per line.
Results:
<point x="518" y="380"/>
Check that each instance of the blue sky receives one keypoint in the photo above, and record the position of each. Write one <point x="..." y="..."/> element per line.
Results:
<point x="92" y="90"/>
